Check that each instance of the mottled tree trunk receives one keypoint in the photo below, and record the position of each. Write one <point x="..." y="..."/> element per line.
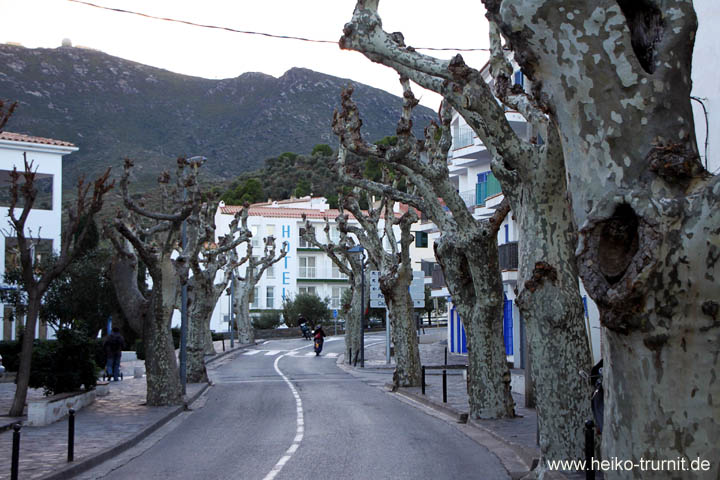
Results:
<point x="23" y="375"/>
<point x="198" y="331"/>
<point x="395" y="289"/>
<point x="548" y="296"/>
<point x="163" y="377"/>
<point x="241" y="308"/>
<point x="472" y="274"/>
<point x="647" y="214"/>
<point x="353" y="327"/>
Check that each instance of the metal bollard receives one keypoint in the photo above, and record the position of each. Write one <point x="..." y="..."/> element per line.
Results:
<point x="423" y="379"/>
<point x="223" y="340"/>
<point x="445" y="355"/>
<point x="444" y="386"/>
<point x="589" y="449"/>
<point x="71" y="435"/>
<point x="15" y="452"/>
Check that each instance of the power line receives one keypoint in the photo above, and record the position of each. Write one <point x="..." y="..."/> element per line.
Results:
<point x="247" y="32"/>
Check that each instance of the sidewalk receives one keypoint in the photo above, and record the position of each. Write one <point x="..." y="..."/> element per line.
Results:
<point x="110" y="425"/>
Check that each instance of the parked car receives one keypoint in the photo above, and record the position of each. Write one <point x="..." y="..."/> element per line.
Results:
<point x="2" y="369"/>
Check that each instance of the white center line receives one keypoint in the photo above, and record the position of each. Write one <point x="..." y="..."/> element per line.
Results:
<point x="300" y="430"/>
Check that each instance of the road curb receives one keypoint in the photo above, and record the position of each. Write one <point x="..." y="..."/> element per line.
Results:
<point x="95" y="460"/>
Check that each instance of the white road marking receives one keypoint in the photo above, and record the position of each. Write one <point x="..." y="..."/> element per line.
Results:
<point x="270" y="353"/>
<point x="252" y="352"/>
<point x="300" y="429"/>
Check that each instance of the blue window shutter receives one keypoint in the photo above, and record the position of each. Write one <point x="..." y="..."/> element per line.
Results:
<point x="507" y="233"/>
<point x="519" y="78"/>
<point x="508" y="327"/>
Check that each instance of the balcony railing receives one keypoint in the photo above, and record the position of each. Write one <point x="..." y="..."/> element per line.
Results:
<point x="321" y="273"/>
<point x="508" y="256"/>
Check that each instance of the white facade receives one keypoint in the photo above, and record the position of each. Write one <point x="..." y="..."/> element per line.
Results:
<point x="45" y="220"/>
<point x="304" y="268"/>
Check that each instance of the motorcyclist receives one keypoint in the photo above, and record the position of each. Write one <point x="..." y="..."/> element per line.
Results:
<point x="304" y="327"/>
<point x="319" y="336"/>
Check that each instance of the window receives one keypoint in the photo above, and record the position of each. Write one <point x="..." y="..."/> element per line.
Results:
<point x="43" y="183"/>
<point x="336" y="298"/>
<point x="270" y="297"/>
<point x="337" y="273"/>
<point x="462" y="136"/>
<point x="303" y="243"/>
<point x="255" y="235"/>
<point x="270" y="272"/>
<point x="307" y="267"/>
<point x="42" y="250"/>
<point x="308" y="290"/>
<point x="421" y="239"/>
<point x="254" y="303"/>
<point x="269" y="230"/>
<point x="334" y="235"/>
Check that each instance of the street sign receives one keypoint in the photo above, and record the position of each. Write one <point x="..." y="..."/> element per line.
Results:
<point x="417" y="290"/>
<point x="335" y="313"/>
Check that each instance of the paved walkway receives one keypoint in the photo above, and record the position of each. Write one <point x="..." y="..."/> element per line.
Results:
<point x="106" y="427"/>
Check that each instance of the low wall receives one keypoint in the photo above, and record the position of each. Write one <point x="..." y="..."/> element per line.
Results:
<point x="51" y="409"/>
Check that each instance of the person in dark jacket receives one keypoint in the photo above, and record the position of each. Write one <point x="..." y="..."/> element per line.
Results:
<point x="319" y="336"/>
<point x="114" y="344"/>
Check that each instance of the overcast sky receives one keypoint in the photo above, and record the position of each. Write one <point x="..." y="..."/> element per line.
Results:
<point x="221" y="54"/>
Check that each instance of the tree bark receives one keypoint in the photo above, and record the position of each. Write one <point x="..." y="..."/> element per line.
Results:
<point x="646" y="210"/>
<point x="23" y="375"/>
<point x="472" y="274"/>
<point x="241" y="307"/>
<point x="408" y="372"/>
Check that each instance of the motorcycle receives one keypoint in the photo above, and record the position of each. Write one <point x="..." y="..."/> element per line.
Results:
<point x="318" y="345"/>
<point x="306" y="332"/>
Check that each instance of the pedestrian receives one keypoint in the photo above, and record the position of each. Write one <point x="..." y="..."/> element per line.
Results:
<point x="114" y="344"/>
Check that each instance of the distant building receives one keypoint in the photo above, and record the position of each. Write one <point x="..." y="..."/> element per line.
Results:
<point x="305" y="269"/>
<point x="45" y="219"/>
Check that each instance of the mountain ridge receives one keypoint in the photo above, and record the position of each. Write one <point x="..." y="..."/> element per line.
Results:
<point x="113" y="108"/>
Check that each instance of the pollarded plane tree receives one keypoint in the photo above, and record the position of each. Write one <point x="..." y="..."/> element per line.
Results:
<point x="154" y="238"/>
<point x="377" y="232"/>
<point x="350" y="264"/>
<point x="466" y="249"/>
<point x="244" y="286"/>
<point x="212" y="265"/>
<point x="615" y="77"/>
<point x="36" y="281"/>
<point x="532" y="175"/>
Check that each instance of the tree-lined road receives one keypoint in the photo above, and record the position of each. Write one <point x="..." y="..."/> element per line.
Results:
<point x="253" y="426"/>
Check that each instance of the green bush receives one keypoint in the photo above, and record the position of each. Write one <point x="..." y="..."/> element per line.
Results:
<point x="10" y="351"/>
<point x="267" y="320"/>
<point x="65" y="364"/>
<point x="313" y="308"/>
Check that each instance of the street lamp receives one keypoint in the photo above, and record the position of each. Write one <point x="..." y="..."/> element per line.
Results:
<point x="360" y="249"/>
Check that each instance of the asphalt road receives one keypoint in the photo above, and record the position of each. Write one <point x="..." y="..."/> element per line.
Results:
<point x="277" y="411"/>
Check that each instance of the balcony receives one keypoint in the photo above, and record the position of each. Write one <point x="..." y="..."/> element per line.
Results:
<point x="508" y="256"/>
<point x="319" y="274"/>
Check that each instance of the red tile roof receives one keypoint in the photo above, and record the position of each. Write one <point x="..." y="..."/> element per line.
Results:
<point x="330" y="213"/>
<point x="19" y="137"/>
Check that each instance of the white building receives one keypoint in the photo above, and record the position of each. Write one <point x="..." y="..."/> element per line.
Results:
<point x="45" y="220"/>
<point x="305" y="269"/>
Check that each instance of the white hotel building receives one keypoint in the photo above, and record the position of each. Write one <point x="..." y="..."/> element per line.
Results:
<point x="45" y="219"/>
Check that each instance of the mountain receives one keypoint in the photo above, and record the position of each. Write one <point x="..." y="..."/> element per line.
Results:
<point x="113" y="108"/>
